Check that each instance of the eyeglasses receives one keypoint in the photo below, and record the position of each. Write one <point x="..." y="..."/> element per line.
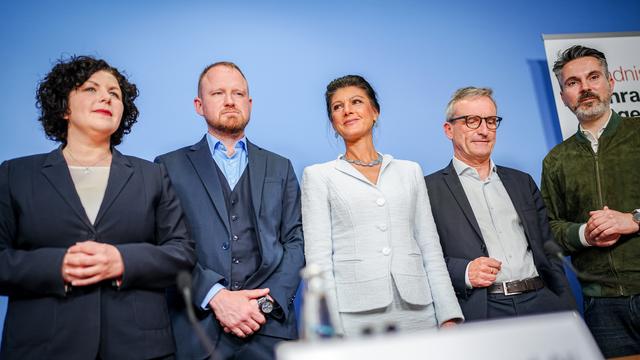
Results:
<point x="474" y="121"/>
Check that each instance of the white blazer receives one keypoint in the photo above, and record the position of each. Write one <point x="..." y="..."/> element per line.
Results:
<point x="363" y="235"/>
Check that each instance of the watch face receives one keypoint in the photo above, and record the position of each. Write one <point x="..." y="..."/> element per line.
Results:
<point x="266" y="306"/>
<point x="636" y="215"/>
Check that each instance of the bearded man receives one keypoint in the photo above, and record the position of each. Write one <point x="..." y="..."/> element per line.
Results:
<point x="242" y="203"/>
<point x="590" y="186"/>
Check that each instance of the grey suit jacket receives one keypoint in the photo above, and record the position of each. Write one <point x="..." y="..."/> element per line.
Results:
<point x="365" y="235"/>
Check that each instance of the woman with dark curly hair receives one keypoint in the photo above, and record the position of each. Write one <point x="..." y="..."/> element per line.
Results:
<point x="89" y="237"/>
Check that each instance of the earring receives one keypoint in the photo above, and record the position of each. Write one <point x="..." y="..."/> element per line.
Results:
<point x="336" y="134"/>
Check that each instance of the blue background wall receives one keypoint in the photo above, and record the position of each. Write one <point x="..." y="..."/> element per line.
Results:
<point x="415" y="53"/>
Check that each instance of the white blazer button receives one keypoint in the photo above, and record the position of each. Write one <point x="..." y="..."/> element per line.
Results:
<point x="386" y="251"/>
<point x="382" y="227"/>
<point x="380" y="202"/>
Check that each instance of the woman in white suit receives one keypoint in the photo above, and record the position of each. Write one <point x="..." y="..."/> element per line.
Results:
<point x="368" y="225"/>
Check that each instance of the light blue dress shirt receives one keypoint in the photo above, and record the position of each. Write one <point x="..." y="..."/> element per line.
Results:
<point x="232" y="167"/>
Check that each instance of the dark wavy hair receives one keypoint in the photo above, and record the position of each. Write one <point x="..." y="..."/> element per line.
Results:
<point x="52" y="96"/>
<point x="576" y="52"/>
<point x="346" y="81"/>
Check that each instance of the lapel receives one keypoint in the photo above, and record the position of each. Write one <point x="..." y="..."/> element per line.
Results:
<point x="200" y="157"/>
<point x="119" y="174"/>
<point x="348" y="169"/>
<point x="512" y="186"/>
<point x="56" y="171"/>
<point x="257" y="170"/>
<point x="455" y="186"/>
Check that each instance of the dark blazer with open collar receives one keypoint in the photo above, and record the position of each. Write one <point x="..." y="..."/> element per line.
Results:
<point x="462" y="240"/>
<point x="41" y="216"/>
<point x="276" y="203"/>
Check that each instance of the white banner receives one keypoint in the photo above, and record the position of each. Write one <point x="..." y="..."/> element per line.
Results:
<point x="623" y="56"/>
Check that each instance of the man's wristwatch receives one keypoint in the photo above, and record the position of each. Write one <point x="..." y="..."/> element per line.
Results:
<point x="265" y="305"/>
<point x="636" y="216"/>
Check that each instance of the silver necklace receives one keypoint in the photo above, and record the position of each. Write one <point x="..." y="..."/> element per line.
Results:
<point x="87" y="168"/>
<point x="362" y="163"/>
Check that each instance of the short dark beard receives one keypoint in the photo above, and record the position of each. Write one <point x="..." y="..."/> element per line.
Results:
<point x="593" y="112"/>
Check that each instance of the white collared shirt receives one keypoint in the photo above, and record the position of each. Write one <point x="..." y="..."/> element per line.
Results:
<point x="499" y="223"/>
<point x="593" y="139"/>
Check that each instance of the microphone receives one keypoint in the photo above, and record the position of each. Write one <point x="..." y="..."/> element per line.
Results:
<point x="553" y="249"/>
<point x="183" y="283"/>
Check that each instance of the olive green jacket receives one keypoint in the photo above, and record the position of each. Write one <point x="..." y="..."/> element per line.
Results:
<point x="575" y="180"/>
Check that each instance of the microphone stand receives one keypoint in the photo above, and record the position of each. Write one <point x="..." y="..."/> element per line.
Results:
<point x="184" y="285"/>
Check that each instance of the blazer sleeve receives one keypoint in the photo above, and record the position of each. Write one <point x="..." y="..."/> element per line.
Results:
<point x="458" y="271"/>
<point x="318" y="248"/>
<point x="559" y="283"/>
<point x="457" y="266"/>
<point x="283" y="282"/>
<point x="444" y="299"/>
<point x="148" y="265"/>
<point x="37" y="271"/>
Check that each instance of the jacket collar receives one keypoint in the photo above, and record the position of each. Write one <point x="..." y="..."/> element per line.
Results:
<point x="203" y="163"/>
<point x="611" y="128"/>
<point x="510" y="184"/>
<point x="455" y="186"/>
<point x="348" y="169"/>
<point x="200" y="157"/>
<point x="56" y="170"/>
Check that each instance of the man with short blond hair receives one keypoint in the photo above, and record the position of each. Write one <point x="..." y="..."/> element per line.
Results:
<point x="242" y="203"/>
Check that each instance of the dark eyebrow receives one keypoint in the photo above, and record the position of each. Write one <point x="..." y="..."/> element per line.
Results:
<point x="117" y="87"/>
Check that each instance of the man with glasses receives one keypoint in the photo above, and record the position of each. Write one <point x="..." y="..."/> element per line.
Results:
<point x="492" y="222"/>
<point x="590" y="184"/>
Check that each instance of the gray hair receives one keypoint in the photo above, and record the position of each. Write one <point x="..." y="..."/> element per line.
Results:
<point x="465" y="93"/>
<point x="576" y="52"/>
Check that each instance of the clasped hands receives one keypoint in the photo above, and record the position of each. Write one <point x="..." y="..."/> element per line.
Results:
<point x="238" y="311"/>
<point x="605" y="226"/>
<point x="90" y="262"/>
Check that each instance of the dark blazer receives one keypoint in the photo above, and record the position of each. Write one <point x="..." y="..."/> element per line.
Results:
<point x="41" y="216"/>
<point x="462" y="240"/>
<point x="276" y="203"/>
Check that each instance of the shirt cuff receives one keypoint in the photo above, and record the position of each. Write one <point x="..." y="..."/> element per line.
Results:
<point x="466" y="277"/>
<point x="583" y="239"/>
<point x="212" y="292"/>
